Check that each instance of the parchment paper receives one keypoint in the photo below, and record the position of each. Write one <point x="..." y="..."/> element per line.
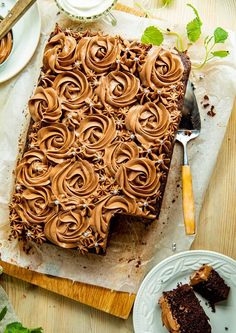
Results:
<point x="133" y="248"/>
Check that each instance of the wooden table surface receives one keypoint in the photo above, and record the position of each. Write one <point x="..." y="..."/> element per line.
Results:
<point x="57" y="314"/>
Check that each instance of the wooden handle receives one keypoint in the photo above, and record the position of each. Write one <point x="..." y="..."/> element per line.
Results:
<point x="14" y="15"/>
<point x="188" y="200"/>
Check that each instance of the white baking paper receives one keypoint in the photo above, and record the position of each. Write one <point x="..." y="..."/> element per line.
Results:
<point x="133" y="249"/>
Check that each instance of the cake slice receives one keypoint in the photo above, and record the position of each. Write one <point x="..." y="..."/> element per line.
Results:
<point x="208" y="283"/>
<point x="182" y="312"/>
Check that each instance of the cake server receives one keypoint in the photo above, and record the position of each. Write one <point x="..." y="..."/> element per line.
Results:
<point x="189" y="129"/>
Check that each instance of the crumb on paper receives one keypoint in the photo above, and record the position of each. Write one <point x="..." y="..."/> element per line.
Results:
<point x="211" y="113"/>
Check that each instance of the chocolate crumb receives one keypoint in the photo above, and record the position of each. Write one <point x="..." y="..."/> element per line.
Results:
<point x="138" y="264"/>
<point x="131" y="259"/>
<point x="84" y="267"/>
<point x="173" y="201"/>
<point x="211" y="113"/>
<point x="168" y="29"/>
<point x="206" y="105"/>
<point x="206" y="97"/>
<point x="226" y="328"/>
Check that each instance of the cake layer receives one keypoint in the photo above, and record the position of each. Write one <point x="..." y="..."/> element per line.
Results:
<point x="208" y="283"/>
<point x="182" y="312"/>
<point x="104" y="117"/>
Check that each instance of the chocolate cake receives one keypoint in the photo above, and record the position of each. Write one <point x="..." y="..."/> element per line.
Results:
<point x="182" y="312"/>
<point x="208" y="283"/>
<point x="104" y="117"/>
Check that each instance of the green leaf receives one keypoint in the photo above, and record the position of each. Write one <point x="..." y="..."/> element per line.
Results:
<point x="220" y="35"/>
<point x="195" y="12"/>
<point x="3" y="313"/>
<point x="17" y="327"/>
<point x="221" y="54"/>
<point x="194" y="30"/>
<point x="166" y="2"/>
<point x="194" y="27"/>
<point x="152" y="35"/>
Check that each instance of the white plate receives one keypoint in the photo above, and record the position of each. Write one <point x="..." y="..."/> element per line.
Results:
<point x="26" y="33"/>
<point x="178" y="268"/>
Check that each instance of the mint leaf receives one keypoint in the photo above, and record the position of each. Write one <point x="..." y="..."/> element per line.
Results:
<point x="195" y="12"/>
<point x="17" y="327"/>
<point x="194" y="27"/>
<point x="220" y="35"/>
<point x="152" y="35"/>
<point x="3" y="313"/>
<point x="194" y="30"/>
<point x="221" y="54"/>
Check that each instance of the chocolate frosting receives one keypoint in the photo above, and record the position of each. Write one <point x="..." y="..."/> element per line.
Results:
<point x="104" y="117"/>
<point x="66" y="228"/>
<point x="149" y="122"/>
<point x="167" y="318"/>
<point x="73" y="89"/>
<point x="60" y="53"/>
<point x="56" y="142"/>
<point x="72" y="180"/>
<point x="5" y="46"/>
<point x="33" y="169"/>
<point x="139" y="178"/>
<point x="98" y="53"/>
<point x="200" y="275"/>
<point x="118" y="89"/>
<point x="45" y="105"/>
<point x="161" y="68"/>
<point x="118" y="153"/>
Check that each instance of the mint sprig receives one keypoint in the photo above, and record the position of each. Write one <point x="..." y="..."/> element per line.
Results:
<point x="155" y="35"/>
<point x="219" y="37"/>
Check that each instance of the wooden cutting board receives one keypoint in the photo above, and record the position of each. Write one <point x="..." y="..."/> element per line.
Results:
<point x="116" y="303"/>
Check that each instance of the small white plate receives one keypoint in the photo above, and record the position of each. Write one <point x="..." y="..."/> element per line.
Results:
<point x="26" y="33"/>
<point x="178" y="268"/>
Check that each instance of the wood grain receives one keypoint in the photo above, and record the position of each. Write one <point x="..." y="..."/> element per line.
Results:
<point x="217" y="231"/>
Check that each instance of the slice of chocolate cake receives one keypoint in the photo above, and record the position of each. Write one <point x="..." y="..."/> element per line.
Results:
<point x="182" y="312"/>
<point x="208" y="283"/>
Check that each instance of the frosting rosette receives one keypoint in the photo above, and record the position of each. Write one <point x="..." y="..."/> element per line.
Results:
<point x="73" y="89"/>
<point x="60" y="53"/>
<point x="65" y="228"/>
<point x="5" y="46"/>
<point x="44" y="105"/>
<point x="73" y="180"/>
<point x="149" y="122"/>
<point x="35" y="205"/>
<point x="138" y="178"/>
<point x="96" y="132"/>
<point x="161" y="68"/>
<point x="109" y="206"/>
<point x="33" y="169"/>
<point x="118" y="89"/>
<point x="98" y="53"/>
<point x="55" y="141"/>
<point x="118" y="153"/>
